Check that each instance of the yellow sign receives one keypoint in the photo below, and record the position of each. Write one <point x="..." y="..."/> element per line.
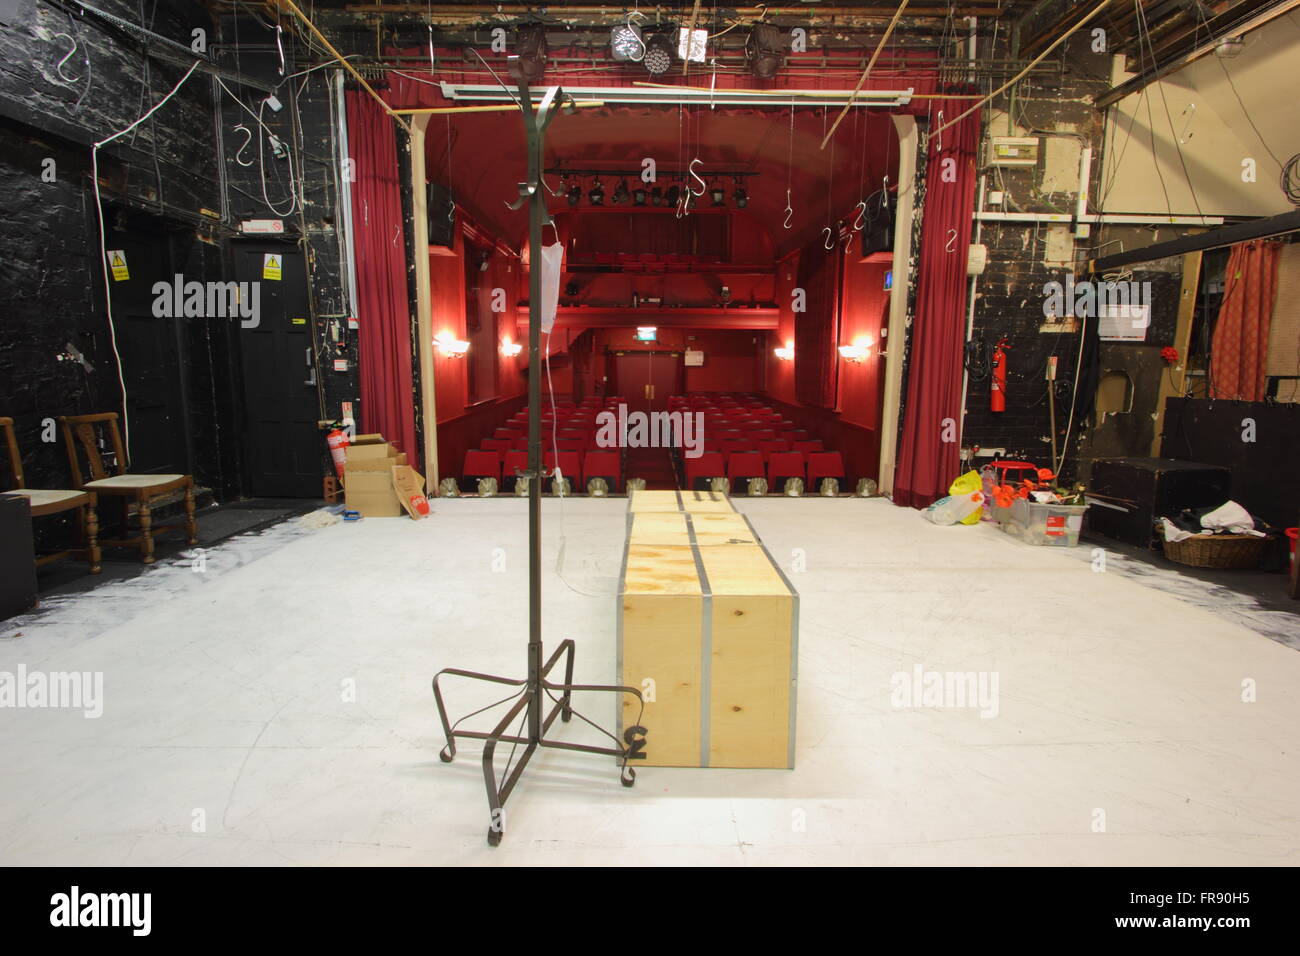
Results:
<point x="271" y="266"/>
<point x="117" y="262"/>
<point x="298" y="321"/>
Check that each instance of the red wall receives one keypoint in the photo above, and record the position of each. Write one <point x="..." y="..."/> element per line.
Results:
<point x="863" y="303"/>
<point x="732" y="358"/>
<point x="853" y="428"/>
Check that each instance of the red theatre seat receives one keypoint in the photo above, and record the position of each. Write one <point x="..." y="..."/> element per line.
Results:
<point x="783" y="465"/>
<point x="481" y="464"/>
<point x="745" y="464"/>
<point x="825" y="464"/>
<point x="570" y="465"/>
<point x="700" y="470"/>
<point x="495" y="444"/>
<point x="603" y="464"/>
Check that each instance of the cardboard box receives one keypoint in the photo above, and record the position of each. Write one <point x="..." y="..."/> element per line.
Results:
<point x="368" y="479"/>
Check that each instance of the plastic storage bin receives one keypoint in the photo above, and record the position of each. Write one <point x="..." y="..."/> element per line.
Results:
<point x="1042" y="524"/>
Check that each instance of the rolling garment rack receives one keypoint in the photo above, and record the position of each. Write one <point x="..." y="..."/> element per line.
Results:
<point x="535" y="689"/>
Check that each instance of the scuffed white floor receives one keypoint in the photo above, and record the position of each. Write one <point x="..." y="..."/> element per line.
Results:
<point x="231" y="733"/>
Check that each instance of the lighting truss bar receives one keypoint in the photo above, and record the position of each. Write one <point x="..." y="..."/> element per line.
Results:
<point x="486" y="92"/>
<point x="1110" y="219"/>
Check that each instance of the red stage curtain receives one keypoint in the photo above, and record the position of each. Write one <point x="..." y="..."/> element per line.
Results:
<point x="1239" y="354"/>
<point x="927" y="463"/>
<point x="387" y="396"/>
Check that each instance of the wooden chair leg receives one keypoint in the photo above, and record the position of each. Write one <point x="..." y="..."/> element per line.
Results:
<point x="146" y="530"/>
<point x="191" y="528"/>
<point x="92" y="539"/>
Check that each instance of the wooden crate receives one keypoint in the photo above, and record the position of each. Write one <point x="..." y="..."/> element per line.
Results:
<point x="708" y="617"/>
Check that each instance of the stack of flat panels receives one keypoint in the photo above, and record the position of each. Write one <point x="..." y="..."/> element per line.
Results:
<point x="708" y="629"/>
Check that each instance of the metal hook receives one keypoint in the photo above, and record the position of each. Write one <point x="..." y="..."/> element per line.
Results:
<point x="703" y="185"/>
<point x="239" y="152"/>
<point x="884" y="192"/>
<point x="847" y="237"/>
<point x="860" y="220"/>
<point x="950" y="245"/>
<point x="713" y="83"/>
<point x="828" y="243"/>
<point x="938" y="137"/>
<point x="789" y="210"/>
<point x="432" y="58"/>
<point x="279" y="45"/>
<point x="67" y="56"/>
<point x="451" y="210"/>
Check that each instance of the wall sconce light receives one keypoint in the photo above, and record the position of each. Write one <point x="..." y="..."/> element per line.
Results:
<point x="858" y="351"/>
<point x="785" y="352"/>
<point x="450" y="346"/>
<point x="510" y="349"/>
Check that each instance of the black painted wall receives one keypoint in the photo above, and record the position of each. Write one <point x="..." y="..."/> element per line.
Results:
<point x="167" y="181"/>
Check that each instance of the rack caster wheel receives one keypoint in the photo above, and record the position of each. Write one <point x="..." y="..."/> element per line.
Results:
<point x="444" y="755"/>
<point x="628" y="777"/>
<point x="494" y="837"/>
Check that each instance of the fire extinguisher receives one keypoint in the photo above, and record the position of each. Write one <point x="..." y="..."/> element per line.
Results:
<point x="338" y="442"/>
<point x="998" y="388"/>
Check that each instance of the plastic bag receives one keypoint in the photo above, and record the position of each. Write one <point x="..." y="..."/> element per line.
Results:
<point x="964" y="485"/>
<point x="955" y="509"/>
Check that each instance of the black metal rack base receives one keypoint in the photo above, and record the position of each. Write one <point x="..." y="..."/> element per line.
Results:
<point x="530" y="699"/>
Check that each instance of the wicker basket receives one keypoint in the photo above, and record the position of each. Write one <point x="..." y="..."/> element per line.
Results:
<point x="1241" y="551"/>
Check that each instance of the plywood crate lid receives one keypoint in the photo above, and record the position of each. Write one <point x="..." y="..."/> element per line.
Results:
<point x="661" y="569"/>
<point x="704" y="502"/>
<point x="644" y="500"/>
<point x="659" y="528"/>
<point x="742" y="569"/>
<point x="712" y="528"/>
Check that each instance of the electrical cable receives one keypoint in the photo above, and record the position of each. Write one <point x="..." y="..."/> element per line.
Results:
<point x="103" y="246"/>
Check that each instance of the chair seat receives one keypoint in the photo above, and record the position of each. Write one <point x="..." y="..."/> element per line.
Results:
<point x="131" y="482"/>
<point x="45" y="497"/>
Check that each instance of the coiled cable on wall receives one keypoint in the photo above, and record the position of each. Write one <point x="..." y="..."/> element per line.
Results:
<point x="1290" y="181"/>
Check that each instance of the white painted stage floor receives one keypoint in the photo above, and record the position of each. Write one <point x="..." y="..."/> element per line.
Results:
<point x="230" y="733"/>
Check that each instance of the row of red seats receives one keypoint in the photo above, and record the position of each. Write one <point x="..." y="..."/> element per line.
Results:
<point x="578" y="468"/>
<point x="776" y="468"/>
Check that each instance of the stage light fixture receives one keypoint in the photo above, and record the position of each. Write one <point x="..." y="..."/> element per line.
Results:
<point x="658" y="55"/>
<point x="765" y="51"/>
<point x="656" y="196"/>
<point x="718" y="195"/>
<point x="671" y="197"/>
<point x="530" y="50"/>
<point x="596" y="195"/>
<point x="740" y="197"/>
<point x="574" y="195"/>
<point x="626" y="44"/>
<point x="639" y="196"/>
<point x="621" y="195"/>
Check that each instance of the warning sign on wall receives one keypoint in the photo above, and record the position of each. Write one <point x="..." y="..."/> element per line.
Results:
<point x="117" y="262"/>
<point x="271" y="266"/>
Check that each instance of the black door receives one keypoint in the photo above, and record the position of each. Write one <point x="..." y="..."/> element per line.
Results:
<point x="281" y="405"/>
<point x="153" y="362"/>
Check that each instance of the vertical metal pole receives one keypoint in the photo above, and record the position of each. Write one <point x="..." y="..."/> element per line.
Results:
<point x="536" y="213"/>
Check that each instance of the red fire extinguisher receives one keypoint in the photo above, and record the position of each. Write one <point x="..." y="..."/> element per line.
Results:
<point x="998" y="389"/>
<point x="338" y="442"/>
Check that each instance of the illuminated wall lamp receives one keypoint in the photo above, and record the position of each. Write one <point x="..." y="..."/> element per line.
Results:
<point x="450" y="346"/>
<point x="785" y="352"/>
<point x="857" y="352"/>
<point x="511" y="349"/>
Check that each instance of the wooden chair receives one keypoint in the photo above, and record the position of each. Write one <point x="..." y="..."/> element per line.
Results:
<point x="142" y="489"/>
<point x="44" y="502"/>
